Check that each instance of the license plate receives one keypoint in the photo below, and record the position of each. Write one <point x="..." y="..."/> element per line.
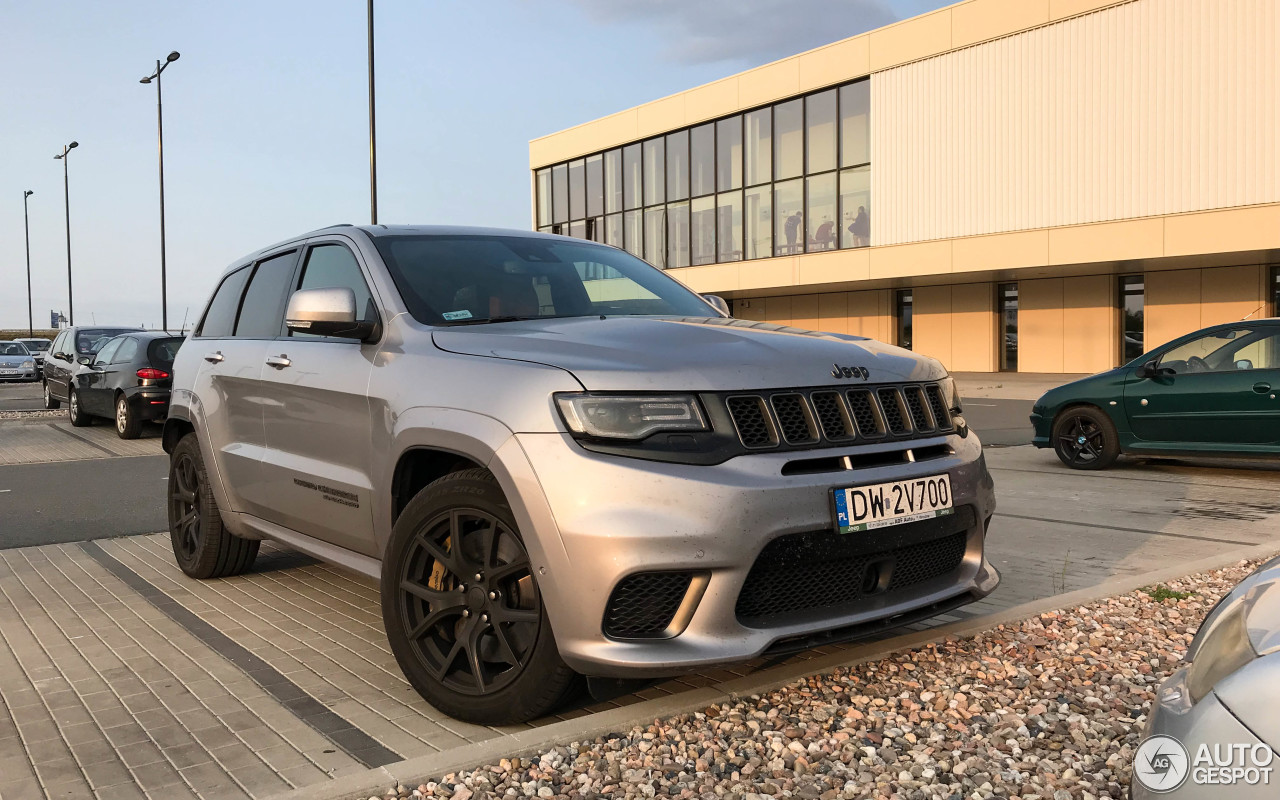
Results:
<point x="10" y="372"/>
<point x="865" y="508"/>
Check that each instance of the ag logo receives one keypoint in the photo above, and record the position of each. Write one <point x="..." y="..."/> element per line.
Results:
<point x="838" y="371"/>
<point x="1161" y="764"/>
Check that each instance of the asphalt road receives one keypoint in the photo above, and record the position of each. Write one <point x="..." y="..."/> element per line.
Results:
<point x="1000" y="423"/>
<point x="21" y="396"/>
<point x="72" y="501"/>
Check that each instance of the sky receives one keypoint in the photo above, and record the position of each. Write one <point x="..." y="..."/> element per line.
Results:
<point x="266" y="126"/>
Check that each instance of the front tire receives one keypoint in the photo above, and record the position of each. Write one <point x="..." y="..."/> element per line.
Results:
<point x="202" y="547"/>
<point x="1085" y="438"/>
<point x="49" y="402"/>
<point x="75" y="413"/>
<point x="128" y="424"/>
<point x="462" y="608"/>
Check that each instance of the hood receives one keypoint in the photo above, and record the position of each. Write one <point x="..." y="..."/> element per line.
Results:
<point x="14" y="361"/>
<point x="687" y="353"/>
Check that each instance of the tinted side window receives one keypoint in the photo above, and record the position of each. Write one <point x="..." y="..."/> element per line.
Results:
<point x="58" y="342"/>
<point x="108" y="350"/>
<point x="220" y="319"/>
<point x="262" y="312"/>
<point x="128" y="349"/>
<point x="333" y="266"/>
<point x="162" y="352"/>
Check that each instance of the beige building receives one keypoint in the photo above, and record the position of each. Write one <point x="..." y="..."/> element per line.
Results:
<point x="1034" y="185"/>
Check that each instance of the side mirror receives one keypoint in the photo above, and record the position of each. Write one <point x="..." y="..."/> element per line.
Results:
<point x="326" y="312"/>
<point x="84" y="361"/>
<point x="718" y="303"/>
<point x="1152" y="369"/>
<point x="1244" y="363"/>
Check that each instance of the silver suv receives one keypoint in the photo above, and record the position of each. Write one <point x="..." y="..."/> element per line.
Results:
<point x="559" y="461"/>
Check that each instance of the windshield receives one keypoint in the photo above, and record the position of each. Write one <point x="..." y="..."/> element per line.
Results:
<point x="36" y="345"/>
<point x="90" y="340"/>
<point x="13" y="349"/>
<point x="461" y="280"/>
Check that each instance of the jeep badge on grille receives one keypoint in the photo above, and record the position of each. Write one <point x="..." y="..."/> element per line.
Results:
<point x="838" y="371"/>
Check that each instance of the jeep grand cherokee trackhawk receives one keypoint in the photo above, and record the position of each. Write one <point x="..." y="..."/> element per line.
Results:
<point x="559" y="461"/>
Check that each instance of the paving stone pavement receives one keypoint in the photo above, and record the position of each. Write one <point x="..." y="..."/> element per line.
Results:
<point x="43" y="440"/>
<point x="121" y="678"/>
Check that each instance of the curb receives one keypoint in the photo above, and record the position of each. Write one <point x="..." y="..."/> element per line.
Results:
<point x="413" y="771"/>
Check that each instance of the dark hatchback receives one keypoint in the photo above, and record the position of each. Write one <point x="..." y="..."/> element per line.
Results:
<point x="128" y="381"/>
<point x="1215" y="392"/>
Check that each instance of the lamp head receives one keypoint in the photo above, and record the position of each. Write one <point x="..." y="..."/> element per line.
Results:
<point x="145" y="80"/>
<point x="73" y="145"/>
<point x="27" y="193"/>
<point x="172" y="57"/>
<point x="58" y="157"/>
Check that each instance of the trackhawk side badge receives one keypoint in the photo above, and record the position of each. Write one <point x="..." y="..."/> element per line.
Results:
<point x="838" y="371"/>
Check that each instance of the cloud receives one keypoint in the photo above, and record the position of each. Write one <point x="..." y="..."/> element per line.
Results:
<point x="754" y="31"/>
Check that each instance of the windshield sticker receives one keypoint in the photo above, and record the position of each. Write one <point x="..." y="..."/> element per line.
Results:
<point x="452" y="315"/>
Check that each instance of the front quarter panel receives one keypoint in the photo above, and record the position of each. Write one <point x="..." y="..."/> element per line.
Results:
<point x="1104" y="391"/>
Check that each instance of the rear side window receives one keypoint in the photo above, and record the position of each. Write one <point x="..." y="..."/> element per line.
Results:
<point x="220" y="319"/>
<point x="332" y="266"/>
<point x="127" y="351"/>
<point x="262" y="313"/>
<point x="162" y="352"/>
<point x="108" y="350"/>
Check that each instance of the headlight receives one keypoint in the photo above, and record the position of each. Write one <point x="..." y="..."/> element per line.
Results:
<point x="629" y="416"/>
<point x="1224" y="648"/>
<point x="951" y="394"/>
<point x="28" y="364"/>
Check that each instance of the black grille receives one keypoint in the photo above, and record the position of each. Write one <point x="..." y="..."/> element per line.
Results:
<point x="863" y="408"/>
<point x="927" y="561"/>
<point x="793" y="419"/>
<point x="914" y="396"/>
<point x="831" y="416"/>
<point x="749" y="417"/>
<point x="643" y="605"/>
<point x="940" y="412"/>
<point x="892" y="411"/>
<point x="821" y="572"/>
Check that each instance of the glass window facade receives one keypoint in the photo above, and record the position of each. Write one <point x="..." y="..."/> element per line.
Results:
<point x="903" y="307"/>
<point x="1133" y="300"/>
<point x="1275" y="291"/>
<point x="1007" y="295"/>
<point x="790" y="178"/>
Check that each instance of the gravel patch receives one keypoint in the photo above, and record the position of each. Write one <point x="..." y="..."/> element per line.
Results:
<point x="40" y="414"/>
<point x="1051" y="708"/>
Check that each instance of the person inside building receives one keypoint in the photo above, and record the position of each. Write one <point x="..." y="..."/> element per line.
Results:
<point x="861" y="228"/>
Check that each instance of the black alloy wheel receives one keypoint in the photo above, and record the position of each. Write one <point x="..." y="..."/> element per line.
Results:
<point x="470" y="607"/>
<point x="202" y="547"/>
<point x="462" y="607"/>
<point x="184" y="507"/>
<point x="1085" y="438"/>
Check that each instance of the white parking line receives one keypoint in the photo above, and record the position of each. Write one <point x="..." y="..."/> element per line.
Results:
<point x="2" y="491"/>
<point x="984" y="405"/>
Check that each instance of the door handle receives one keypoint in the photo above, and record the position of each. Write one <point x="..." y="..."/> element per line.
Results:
<point x="1262" y="387"/>
<point x="279" y="362"/>
<point x="214" y="357"/>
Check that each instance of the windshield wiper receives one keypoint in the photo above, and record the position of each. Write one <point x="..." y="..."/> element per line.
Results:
<point x="512" y="318"/>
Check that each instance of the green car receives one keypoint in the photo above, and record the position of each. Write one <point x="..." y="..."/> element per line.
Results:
<point x="1212" y="392"/>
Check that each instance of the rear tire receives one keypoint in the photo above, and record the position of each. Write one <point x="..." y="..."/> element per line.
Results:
<point x="1084" y="437"/>
<point x="49" y="402"/>
<point x="202" y="547"/>
<point x="128" y="424"/>
<point x="75" y="413"/>
<point x="462" y="608"/>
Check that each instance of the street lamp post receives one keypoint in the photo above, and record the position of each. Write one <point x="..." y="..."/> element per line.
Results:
<point x="66" y="199"/>
<point x="164" y="287"/>
<point x="373" y="138"/>
<point x="26" y="229"/>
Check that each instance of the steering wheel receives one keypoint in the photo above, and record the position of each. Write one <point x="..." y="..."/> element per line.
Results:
<point x="1197" y="364"/>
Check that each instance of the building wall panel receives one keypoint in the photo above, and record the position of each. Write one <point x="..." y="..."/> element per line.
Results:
<point x="1041" y="326"/>
<point x="931" y="323"/>
<point x="973" y="328"/>
<point x="1173" y="305"/>
<point x="1145" y="108"/>
<point x="1091" y="323"/>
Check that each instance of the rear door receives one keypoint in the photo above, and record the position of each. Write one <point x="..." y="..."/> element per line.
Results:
<point x="94" y="383"/>
<point x="1223" y="390"/>
<point x="57" y="367"/>
<point x="231" y="342"/>
<point x="318" y="459"/>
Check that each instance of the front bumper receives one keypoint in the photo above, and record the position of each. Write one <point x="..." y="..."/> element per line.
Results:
<point x="18" y="374"/>
<point x="1042" y="424"/>
<point x="150" y="403"/>
<point x="1209" y="723"/>
<point x="607" y="517"/>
